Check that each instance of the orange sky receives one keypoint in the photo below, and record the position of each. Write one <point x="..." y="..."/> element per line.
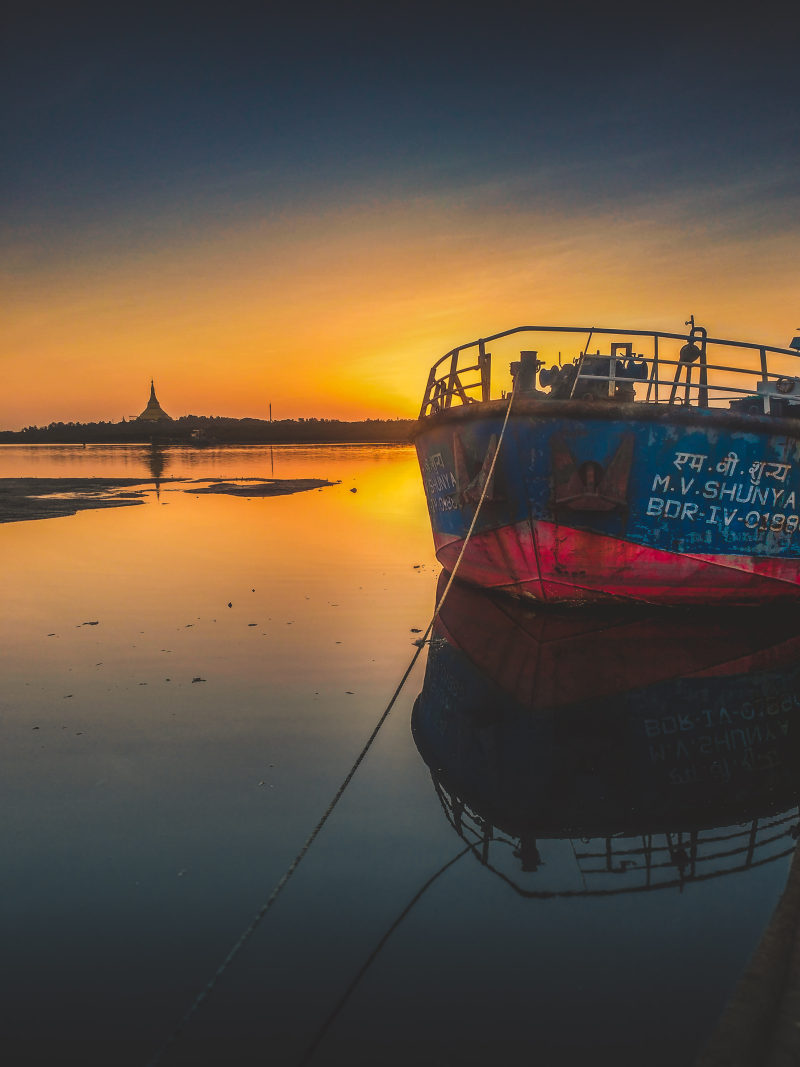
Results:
<point x="338" y="312"/>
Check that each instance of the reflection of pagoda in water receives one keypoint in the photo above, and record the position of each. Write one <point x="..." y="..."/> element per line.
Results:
<point x="598" y="754"/>
<point x="153" y="412"/>
<point x="156" y="457"/>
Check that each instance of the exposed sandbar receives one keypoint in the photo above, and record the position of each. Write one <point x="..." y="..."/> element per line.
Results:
<point x="50" y="498"/>
<point x="23" y="499"/>
<point x="273" y="487"/>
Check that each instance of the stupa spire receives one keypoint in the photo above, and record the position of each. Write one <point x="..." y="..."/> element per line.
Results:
<point x="153" y="412"/>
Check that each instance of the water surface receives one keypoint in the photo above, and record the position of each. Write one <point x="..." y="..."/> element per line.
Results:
<point x="186" y="683"/>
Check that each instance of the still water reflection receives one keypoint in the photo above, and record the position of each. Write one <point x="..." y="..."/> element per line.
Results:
<point x="592" y="758"/>
<point x="187" y="682"/>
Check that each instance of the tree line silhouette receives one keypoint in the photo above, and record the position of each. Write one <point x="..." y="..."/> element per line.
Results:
<point x="203" y="430"/>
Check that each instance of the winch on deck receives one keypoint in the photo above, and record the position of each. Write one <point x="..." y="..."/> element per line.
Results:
<point x="595" y="377"/>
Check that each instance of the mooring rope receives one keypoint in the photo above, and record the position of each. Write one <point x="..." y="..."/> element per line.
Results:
<point x="580" y="363"/>
<point x="365" y="966"/>
<point x="250" y="929"/>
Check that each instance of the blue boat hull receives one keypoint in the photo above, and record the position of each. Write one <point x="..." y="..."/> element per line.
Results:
<point x="630" y="502"/>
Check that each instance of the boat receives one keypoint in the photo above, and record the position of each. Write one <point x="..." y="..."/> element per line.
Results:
<point x="643" y="466"/>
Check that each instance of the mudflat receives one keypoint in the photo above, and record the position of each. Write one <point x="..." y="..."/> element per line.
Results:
<point x="272" y="487"/>
<point x="22" y="499"/>
<point x="49" y="498"/>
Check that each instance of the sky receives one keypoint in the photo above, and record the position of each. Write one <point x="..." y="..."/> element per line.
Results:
<point x="306" y="205"/>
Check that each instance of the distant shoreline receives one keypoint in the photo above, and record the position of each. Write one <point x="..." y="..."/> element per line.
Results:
<point x="208" y="431"/>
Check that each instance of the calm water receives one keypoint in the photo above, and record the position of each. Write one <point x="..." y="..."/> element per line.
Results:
<point x="186" y="683"/>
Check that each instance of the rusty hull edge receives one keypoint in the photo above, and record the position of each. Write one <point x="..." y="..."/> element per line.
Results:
<point x="612" y="411"/>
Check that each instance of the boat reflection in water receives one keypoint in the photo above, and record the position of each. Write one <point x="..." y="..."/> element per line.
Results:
<point x="664" y="748"/>
<point x="625" y="757"/>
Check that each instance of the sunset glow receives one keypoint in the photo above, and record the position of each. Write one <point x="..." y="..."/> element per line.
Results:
<point x="326" y="285"/>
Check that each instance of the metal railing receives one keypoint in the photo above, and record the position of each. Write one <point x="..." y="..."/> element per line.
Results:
<point x="453" y="382"/>
<point x="672" y="368"/>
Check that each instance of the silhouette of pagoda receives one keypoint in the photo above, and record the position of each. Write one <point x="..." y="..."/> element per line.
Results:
<point x="153" y="412"/>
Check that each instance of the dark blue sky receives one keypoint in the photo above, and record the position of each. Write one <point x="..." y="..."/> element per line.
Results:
<point x="107" y="110"/>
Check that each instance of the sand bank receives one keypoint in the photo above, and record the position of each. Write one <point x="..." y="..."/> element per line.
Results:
<point x="273" y="487"/>
<point x="22" y="499"/>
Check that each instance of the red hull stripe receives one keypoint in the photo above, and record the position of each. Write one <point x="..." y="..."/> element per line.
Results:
<point x="562" y="564"/>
